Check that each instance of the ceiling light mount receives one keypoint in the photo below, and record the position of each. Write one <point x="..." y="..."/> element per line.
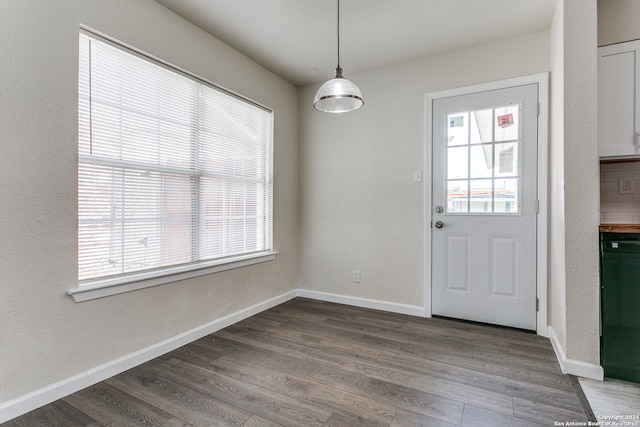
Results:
<point x="338" y="95"/>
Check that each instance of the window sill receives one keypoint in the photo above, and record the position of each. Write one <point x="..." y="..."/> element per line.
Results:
<point x="106" y="287"/>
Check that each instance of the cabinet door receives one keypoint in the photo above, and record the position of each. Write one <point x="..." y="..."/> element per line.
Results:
<point x="618" y="101"/>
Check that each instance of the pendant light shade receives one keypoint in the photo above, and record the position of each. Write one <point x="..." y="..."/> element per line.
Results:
<point x="338" y="95"/>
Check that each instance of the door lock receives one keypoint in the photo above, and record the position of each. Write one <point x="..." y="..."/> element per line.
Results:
<point x="439" y="209"/>
<point x="439" y="224"/>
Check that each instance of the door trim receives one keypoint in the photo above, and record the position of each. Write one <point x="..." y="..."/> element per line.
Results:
<point x="542" y="80"/>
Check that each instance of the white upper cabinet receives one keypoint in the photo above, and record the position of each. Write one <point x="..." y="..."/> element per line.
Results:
<point x="618" y="100"/>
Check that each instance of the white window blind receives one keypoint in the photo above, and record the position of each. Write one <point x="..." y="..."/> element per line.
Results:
<point x="172" y="171"/>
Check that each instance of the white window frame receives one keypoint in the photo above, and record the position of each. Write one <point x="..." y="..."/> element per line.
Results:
<point x="110" y="285"/>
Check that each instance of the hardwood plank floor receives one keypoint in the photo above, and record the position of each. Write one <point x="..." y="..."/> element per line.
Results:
<point x="310" y="363"/>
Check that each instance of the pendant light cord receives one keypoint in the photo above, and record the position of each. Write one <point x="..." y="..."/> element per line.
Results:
<point x="338" y="95"/>
<point x="338" y="33"/>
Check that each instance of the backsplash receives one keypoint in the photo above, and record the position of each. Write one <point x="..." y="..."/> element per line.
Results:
<point x="617" y="204"/>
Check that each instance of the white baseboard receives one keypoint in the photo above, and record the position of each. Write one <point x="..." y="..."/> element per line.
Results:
<point x="393" y="307"/>
<point x="28" y="402"/>
<point x="574" y="367"/>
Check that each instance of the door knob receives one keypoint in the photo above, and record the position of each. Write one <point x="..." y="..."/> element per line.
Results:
<point x="439" y="224"/>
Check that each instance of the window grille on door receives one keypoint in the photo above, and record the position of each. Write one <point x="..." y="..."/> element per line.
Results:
<point x="483" y="161"/>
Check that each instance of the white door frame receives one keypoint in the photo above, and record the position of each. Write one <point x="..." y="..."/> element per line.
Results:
<point x="542" y="80"/>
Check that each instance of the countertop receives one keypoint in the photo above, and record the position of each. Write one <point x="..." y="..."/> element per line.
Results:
<point x="620" y="228"/>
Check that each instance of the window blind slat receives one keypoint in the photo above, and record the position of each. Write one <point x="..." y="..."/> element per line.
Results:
<point x="171" y="171"/>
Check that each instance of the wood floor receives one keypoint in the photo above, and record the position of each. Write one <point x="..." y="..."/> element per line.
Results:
<point x="308" y="363"/>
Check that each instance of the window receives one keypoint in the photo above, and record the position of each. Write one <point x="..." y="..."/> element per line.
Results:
<point x="483" y="172"/>
<point x="172" y="171"/>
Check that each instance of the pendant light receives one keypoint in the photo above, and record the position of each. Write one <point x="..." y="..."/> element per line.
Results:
<point x="338" y="95"/>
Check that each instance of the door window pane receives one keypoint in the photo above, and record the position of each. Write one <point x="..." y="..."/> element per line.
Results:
<point x="457" y="162"/>
<point x="506" y="195"/>
<point x="458" y="196"/>
<point x="507" y="123"/>
<point x="506" y="159"/>
<point x="481" y="126"/>
<point x="483" y="161"/>
<point x="481" y="195"/>
<point x="458" y="129"/>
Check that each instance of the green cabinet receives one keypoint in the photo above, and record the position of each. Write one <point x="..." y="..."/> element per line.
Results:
<point x="620" y="305"/>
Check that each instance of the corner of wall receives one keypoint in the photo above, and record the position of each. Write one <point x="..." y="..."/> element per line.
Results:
<point x="574" y="367"/>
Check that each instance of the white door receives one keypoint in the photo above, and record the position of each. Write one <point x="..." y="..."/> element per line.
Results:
<point x="484" y="206"/>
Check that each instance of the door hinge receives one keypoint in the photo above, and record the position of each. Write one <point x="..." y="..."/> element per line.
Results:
<point x="537" y="304"/>
<point x="537" y="207"/>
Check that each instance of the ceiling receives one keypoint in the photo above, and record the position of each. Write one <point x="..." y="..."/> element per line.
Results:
<point x="297" y="40"/>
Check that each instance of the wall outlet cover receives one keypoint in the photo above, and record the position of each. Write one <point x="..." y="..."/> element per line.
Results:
<point x="356" y="276"/>
<point x="625" y="185"/>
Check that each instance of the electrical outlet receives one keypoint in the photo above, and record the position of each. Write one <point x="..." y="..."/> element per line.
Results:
<point x="625" y="186"/>
<point x="356" y="276"/>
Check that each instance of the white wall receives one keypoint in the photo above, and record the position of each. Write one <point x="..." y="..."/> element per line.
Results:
<point x="618" y="21"/>
<point x="360" y="209"/>
<point x="556" y="259"/>
<point x="574" y="180"/>
<point x="44" y="336"/>
<point x="582" y="180"/>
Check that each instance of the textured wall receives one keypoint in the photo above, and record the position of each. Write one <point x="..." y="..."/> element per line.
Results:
<point x="581" y="177"/>
<point x="44" y="336"/>
<point x="360" y="209"/>
<point x="574" y="180"/>
<point x="618" y="21"/>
